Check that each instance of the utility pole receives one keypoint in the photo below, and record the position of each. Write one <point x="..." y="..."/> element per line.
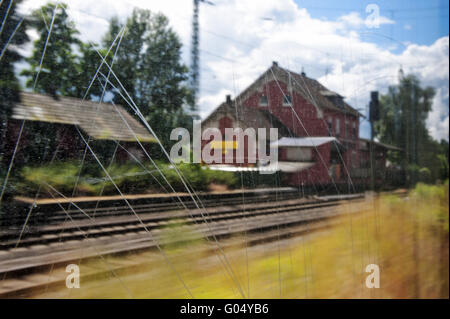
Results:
<point x="374" y="115"/>
<point x="195" y="63"/>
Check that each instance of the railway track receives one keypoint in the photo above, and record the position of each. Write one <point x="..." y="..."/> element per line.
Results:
<point x="50" y="212"/>
<point x="118" y="231"/>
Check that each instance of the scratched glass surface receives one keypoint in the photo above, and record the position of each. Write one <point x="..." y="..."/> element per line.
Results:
<point x="224" y="149"/>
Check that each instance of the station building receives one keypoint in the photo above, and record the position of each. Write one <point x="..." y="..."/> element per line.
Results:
<point x="318" y="132"/>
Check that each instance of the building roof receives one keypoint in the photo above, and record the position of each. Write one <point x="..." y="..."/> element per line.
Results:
<point x="252" y="117"/>
<point x="310" y="89"/>
<point x="99" y="120"/>
<point x="313" y="141"/>
<point x="329" y="93"/>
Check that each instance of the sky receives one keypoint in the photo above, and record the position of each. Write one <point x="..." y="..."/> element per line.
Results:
<point x="347" y="48"/>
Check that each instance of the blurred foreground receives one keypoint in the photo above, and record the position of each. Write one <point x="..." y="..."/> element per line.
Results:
<point x="407" y="238"/>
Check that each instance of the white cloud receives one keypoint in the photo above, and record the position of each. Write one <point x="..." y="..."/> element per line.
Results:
<point x="437" y="121"/>
<point x="354" y="19"/>
<point x="239" y="39"/>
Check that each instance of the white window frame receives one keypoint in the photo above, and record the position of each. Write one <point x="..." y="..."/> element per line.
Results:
<point x="263" y="104"/>
<point x="290" y="97"/>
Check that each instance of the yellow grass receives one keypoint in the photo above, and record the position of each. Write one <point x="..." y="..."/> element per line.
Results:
<point x="408" y="239"/>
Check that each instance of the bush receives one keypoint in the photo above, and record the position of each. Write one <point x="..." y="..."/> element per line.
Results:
<point x="129" y="178"/>
<point x="61" y="176"/>
<point x="434" y="200"/>
<point x="424" y="175"/>
<point x="229" y="179"/>
<point x="197" y="177"/>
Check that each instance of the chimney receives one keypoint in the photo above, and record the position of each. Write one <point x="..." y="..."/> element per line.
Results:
<point x="228" y="99"/>
<point x="303" y="72"/>
<point x="275" y="63"/>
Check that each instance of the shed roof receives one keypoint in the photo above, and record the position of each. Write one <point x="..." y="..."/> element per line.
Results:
<point x="99" y="120"/>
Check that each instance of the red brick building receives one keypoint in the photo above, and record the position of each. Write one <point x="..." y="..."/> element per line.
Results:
<point x="306" y="114"/>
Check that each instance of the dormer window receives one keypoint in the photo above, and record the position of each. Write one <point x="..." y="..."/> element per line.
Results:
<point x="263" y="100"/>
<point x="287" y="100"/>
<point x="334" y="98"/>
<point x="337" y="100"/>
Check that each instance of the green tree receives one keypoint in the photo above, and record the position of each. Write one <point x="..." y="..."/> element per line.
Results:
<point x="12" y="35"/>
<point x="148" y="63"/>
<point x="403" y="113"/>
<point x="443" y="161"/>
<point x="56" y="67"/>
<point x="58" y="73"/>
<point x="87" y="63"/>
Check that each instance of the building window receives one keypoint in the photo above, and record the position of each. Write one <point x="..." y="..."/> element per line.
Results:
<point x="297" y="154"/>
<point x="287" y="100"/>
<point x="263" y="100"/>
<point x="354" y="130"/>
<point x="330" y="126"/>
<point x="339" y="101"/>
<point x="338" y="127"/>
<point x="347" y="129"/>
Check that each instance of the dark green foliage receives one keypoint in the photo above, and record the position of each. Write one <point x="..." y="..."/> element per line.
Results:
<point x="403" y="113"/>
<point x="9" y="84"/>
<point x="58" y="72"/>
<point x="87" y="63"/>
<point x="443" y="161"/>
<point x="129" y="177"/>
<point x="147" y="63"/>
<point x="68" y="64"/>
<point x="149" y="66"/>
<point x="8" y="79"/>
